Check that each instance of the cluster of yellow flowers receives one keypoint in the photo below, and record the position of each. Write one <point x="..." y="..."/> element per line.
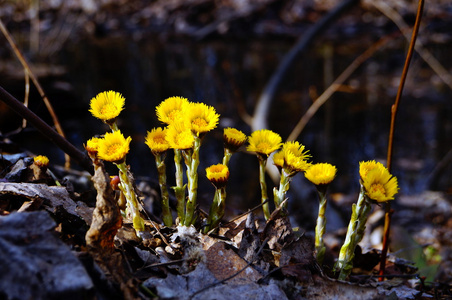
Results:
<point x="186" y="124"/>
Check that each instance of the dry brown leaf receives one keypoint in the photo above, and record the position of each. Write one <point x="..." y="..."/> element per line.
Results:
<point x="224" y="262"/>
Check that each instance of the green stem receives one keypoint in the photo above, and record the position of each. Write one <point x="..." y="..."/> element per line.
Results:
<point x="192" y="175"/>
<point x="320" y="227"/>
<point x="216" y="212"/>
<point x="131" y="197"/>
<point x="280" y="194"/>
<point x="161" y="169"/>
<point x="179" y="189"/>
<point x="355" y="233"/>
<point x="227" y="156"/>
<point x="264" y="197"/>
<point x="113" y="126"/>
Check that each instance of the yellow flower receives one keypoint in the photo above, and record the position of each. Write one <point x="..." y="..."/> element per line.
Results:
<point x="264" y="141"/>
<point x="179" y="137"/>
<point x="170" y="109"/>
<point x="295" y="157"/>
<point x="201" y="118"/>
<point x="278" y="159"/>
<point x="107" y="105"/>
<point x="218" y="175"/>
<point x="92" y="145"/>
<point x="380" y="185"/>
<point x="156" y="140"/>
<point x="233" y="138"/>
<point x="366" y="166"/>
<point x="321" y="174"/>
<point x="292" y="157"/>
<point x="41" y="161"/>
<point x="114" y="147"/>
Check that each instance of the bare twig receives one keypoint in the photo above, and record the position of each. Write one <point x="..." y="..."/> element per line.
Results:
<point x="46" y="130"/>
<point x="335" y="86"/>
<point x="25" y="65"/>
<point x="394" y="109"/>
<point x="263" y="105"/>
<point x="395" y="17"/>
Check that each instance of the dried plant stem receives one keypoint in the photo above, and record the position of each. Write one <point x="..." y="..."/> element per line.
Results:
<point x="26" y="67"/>
<point x="395" y="106"/>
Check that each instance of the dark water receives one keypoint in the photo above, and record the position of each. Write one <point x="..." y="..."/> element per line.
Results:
<point x="230" y="75"/>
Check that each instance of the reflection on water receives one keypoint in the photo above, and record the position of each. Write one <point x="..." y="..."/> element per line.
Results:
<point x="231" y="74"/>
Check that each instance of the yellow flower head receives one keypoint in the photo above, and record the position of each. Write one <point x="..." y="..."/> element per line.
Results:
<point x="321" y="174"/>
<point x="233" y="138"/>
<point x="179" y="137"/>
<point x="170" y="109"/>
<point x="292" y="158"/>
<point x="380" y="185"/>
<point x="201" y="118"/>
<point x="366" y="166"/>
<point x="156" y="140"/>
<point x="295" y="157"/>
<point x="114" y="147"/>
<point x="92" y="145"/>
<point x="218" y="175"/>
<point x="107" y="105"/>
<point x="278" y="159"/>
<point x="41" y="161"/>
<point x="264" y="141"/>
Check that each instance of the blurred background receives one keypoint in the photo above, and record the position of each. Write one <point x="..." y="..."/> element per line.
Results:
<point x="224" y="53"/>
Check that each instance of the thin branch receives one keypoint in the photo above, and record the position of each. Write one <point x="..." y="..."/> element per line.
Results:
<point x="25" y="65"/>
<point x="335" y="86"/>
<point x="395" y="17"/>
<point x="83" y="160"/>
<point x="263" y="105"/>
<point x="394" y="109"/>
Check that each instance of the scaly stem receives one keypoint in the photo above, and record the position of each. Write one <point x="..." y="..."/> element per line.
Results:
<point x="216" y="212"/>
<point x="320" y="227"/>
<point x="264" y="197"/>
<point x="161" y="169"/>
<point x="192" y="175"/>
<point x="355" y="232"/>
<point x="179" y="189"/>
<point x="227" y="156"/>
<point x="280" y="194"/>
<point x="132" y="202"/>
<point x="113" y="126"/>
